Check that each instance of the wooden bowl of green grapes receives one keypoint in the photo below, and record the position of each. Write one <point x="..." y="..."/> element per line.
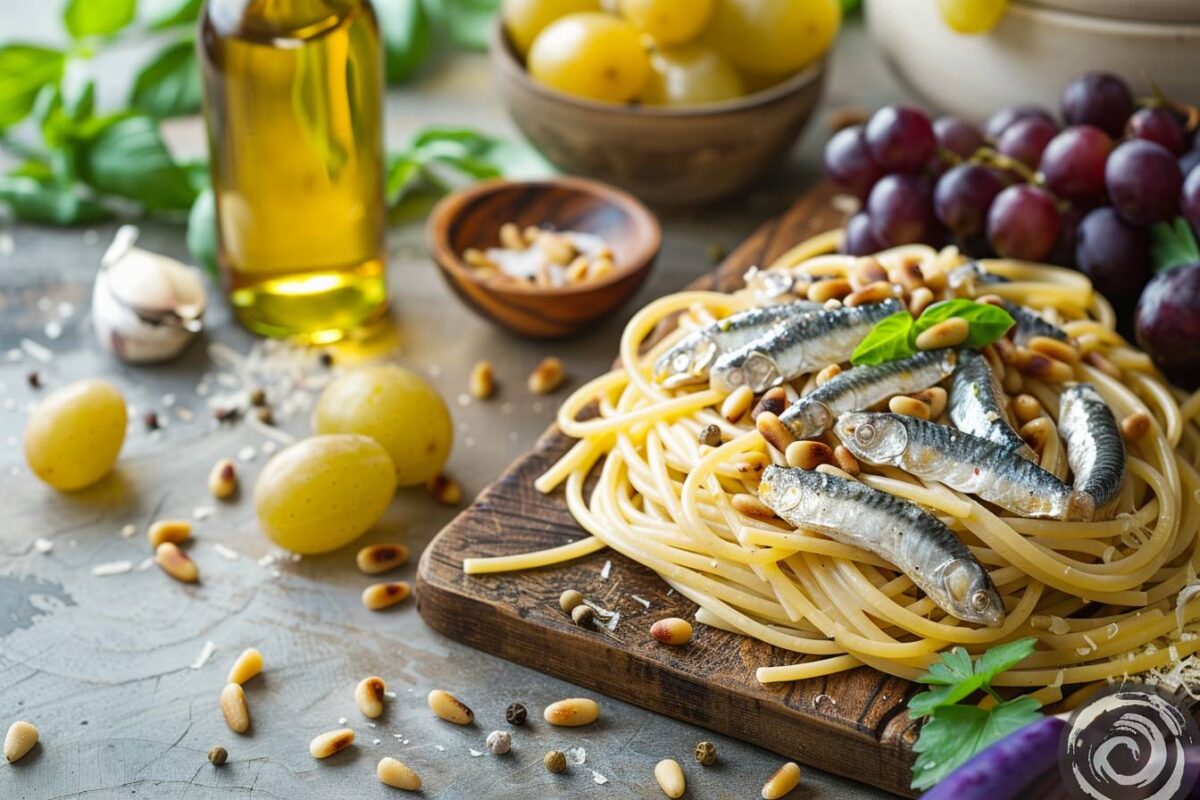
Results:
<point x="678" y="101"/>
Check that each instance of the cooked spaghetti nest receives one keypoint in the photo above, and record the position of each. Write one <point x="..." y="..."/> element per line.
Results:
<point x="1099" y="596"/>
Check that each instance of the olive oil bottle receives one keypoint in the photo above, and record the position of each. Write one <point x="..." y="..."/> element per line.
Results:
<point x="293" y="94"/>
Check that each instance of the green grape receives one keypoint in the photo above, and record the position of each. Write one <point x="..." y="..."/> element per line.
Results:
<point x="773" y="37"/>
<point x="398" y="409"/>
<point x="73" y="437"/>
<point x="596" y="56"/>
<point x="972" y="16"/>
<point x="669" y="22"/>
<point x="525" y="19"/>
<point x="324" y="492"/>
<point x="689" y="75"/>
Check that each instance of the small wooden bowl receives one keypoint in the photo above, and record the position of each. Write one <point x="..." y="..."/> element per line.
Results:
<point x="472" y="218"/>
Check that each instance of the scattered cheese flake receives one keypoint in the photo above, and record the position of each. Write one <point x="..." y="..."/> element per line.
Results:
<point x="598" y="778"/>
<point x="375" y="741"/>
<point x="247" y="453"/>
<point x="576" y="756"/>
<point x="205" y="654"/>
<point x="642" y="600"/>
<point x="268" y="448"/>
<point x="146" y="564"/>
<point x="475" y="753"/>
<point x="128" y="530"/>
<point x="1112" y="629"/>
<point x="606" y="570"/>
<point x="112" y="568"/>
<point x="168" y="400"/>
<point x="43" y="545"/>
<point x="390" y="695"/>
<point x="53" y="329"/>
<point x="203" y="512"/>
<point x="341" y="720"/>
<point x="439" y="748"/>
<point x="266" y="560"/>
<point x="226" y="552"/>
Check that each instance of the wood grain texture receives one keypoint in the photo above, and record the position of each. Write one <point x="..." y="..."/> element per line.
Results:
<point x="852" y="724"/>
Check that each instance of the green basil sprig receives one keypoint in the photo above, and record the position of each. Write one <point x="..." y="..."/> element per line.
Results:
<point x="895" y="337"/>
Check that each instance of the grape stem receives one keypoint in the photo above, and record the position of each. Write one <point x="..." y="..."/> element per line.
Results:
<point x="993" y="158"/>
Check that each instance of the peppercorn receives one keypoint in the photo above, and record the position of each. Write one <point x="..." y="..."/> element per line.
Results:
<point x="258" y="397"/>
<point x="218" y="756"/>
<point x="499" y="742"/>
<point x="516" y="714"/>
<point x="583" y="616"/>
<point x="569" y="600"/>
<point x="706" y="753"/>
<point x="711" y="436"/>
<point x="150" y="420"/>
<point x="555" y="760"/>
<point x="325" y="358"/>
<point x="35" y="379"/>
<point x="226" y="414"/>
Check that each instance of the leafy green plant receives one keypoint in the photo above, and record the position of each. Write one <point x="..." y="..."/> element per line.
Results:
<point x="895" y="337"/>
<point x="1172" y="244"/>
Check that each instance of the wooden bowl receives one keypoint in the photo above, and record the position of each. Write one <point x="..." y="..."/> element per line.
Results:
<point x="472" y="218"/>
<point x="671" y="156"/>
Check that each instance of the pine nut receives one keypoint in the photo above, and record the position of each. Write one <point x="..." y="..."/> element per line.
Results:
<point x="806" y="454"/>
<point x="558" y="249"/>
<point x="846" y="460"/>
<point x="547" y="376"/>
<point x="577" y="270"/>
<point x="332" y="742"/>
<point x="476" y="258"/>
<point x="1026" y="407"/>
<point x="1037" y="432"/>
<point x="511" y="238"/>
<point x="572" y="712"/>
<point x="376" y="559"/>
<point x="168" y="530"/>
<point x="837" y="472"/>
<point x="920" y="300"/>
<point x="1040" y="366"/>
<point x="934" y="397"/>
<point x="234" y="708"/>
<point x="397" y="775"/>
<point x="947" y="333"/>
<point x="783" y="781"/>
<point x="737" y="403"/>
<point x="827" y="374"/>
<point x="1099" y="361"/>
<point x="482" y="383"/>
<point x="672" y="630"/>
<point x="670" y="779"/>
<point x="832" y="304"/>
<point x="1088" y="342"/>
<point x="874" y="293"/>
<point x="1006" y="350"/>
<point x="771" y="429"/>
<point x="531" y="232"/>
<point x="829" y="289"/>
<point x="569" y="600"/>
<point x="991" y="300"/>
<point x="19" y="740"/>
<point x="710" y="436"/>
<point x="248" y="664"/>
<point x="176" y="563"/>
<point x="866" y="271"/>
<point x="368" y="696"/>
<point x="994" y="360"/>
<point x="602" y="267"/>
<point x="909" y="407"/>
<point x="1012" y="382"/>
<point x="773" y="400"/>
<point x="379" y="596"/>
<point x="751" y="506"/>
<point x="555" y="761"/>
<point x="448" y="707"/>
<point x="1055" y="349"/>
<point x="222" y="481"/>
<point x="1135" y="426"/>
<point x="498" y="742"/>
<point x="908" y="276"/>
<point x="444" y="489"/>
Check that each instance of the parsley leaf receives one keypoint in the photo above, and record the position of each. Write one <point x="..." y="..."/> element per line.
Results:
<point x="889" y="340"/>
<point x="956" y="733"/>
<point x="956" y="677"/>
<point x="1172" y="243"/>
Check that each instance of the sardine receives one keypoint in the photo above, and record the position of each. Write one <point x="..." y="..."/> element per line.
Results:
<point x="768" y="286"/>
<point x="1095" y="448"/>
<point x="971" y="274"/>
<point x="918" y="543"/>
<point x="975" y="404"/>
<point x="1030" y="324"/>
<point x="964" y="462"/>
<point x="863" y="387"/>
<point x="689" y="359"/>
<point x="802" y="345"/>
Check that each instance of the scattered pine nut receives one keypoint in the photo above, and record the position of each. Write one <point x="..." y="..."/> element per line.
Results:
<point x="477" y="259"/>
<point x="218" y="756"/>
<point x="555" y="761"/>
<point x="773" y="400"/>
<point x="1037" y="432"/>
<point x="569" y="600"/>
<point x="710" y="436"/>
<point x="1026" y="407"/>
<point x="547" y="376"/>
<point x="837" y="472"/>
<point x="908" y="275"/>
<point x="846" y="460"/>
<point x="572" y="712"/>
<point x="577" y="270"/>
<point x="222" y="481"/>
<point x="448" y="707"/>
<point x="168" y="530"/>
<point x="783" y="781"/>
<point x="248" y="664"/>
<point x="19" y="740"/>
<point x="705" y="753"/>
<point x="499" y="742"/>
<point x="368" y="696"/>
<point x="176" y="563"/>
<point x="1054" y="348"/>
<point x="947" y="333"/>
<point x="1135" y="426"/>
<point x="935" y="397"/>
<point x="376" y="559"/>
<point x="1044" y="367"/>
<point x="556" y="248"/>
<point x="583" y="615"/>
<point x="397" y="775"/>
<point x="737" y="403"/>
<point x="672" y="630"/>
<point x="771" y="429"/>
<point x="482" y="383"/>
<point x="1012" y="382"/>
<point x="751" y="506"/>
<point x="873" y="293"/>
<point x="670" y="778"/>
<point x="1005" y="349"/>
<point x="829" y="289"/>
<point x="602" y="267"/>
<point x="511" y="238"/>
<point x="921" y="298"/>
<point x="751" y="463"/>
<point x="827" y="374"/>
<point x="991" y="300"/>
<point x="444" y="489"/>
<point x="234" y="708"/>
<point x="379" y="596"/>
<point x="332" y="742"/>
<point x="866" y="271"/>
<point x="909" y="407"/>
<point x="807" y="454"/>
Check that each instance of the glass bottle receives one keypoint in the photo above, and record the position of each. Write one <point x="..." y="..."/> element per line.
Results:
<point x="293" y="97"/>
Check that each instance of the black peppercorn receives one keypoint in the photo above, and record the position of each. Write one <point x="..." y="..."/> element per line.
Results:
<point x="516" y="714"/>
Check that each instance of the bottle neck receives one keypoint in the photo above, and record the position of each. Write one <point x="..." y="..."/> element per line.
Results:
<point x="278" y="19"/>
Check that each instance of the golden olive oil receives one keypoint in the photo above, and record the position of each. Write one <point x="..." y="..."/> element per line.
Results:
<point x="293" y="94"/>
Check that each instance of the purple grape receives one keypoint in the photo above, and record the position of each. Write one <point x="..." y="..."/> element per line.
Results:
<point x="1168" y="324"/>
<point x="1189" y="161"/>
<point x="998" y="122"/>
<point x="960" y="138"/>
<point x="1189" y="200"/>
<point x="1116" y="257"/>
<point x="899" y="208"/>
<point x="859" y="239"/>
<point x="1143" y="181"/>
<point x="1100" y="99"/>
<point x="1063" y="253"/>
<point x="1023" y="223"/>
<point x="1025" y="140"/>
<point x="848" y="161"/>
<point x="901" y="138"/>
<point x="1157" y="125"/>
<point x="963" y="196"/>
<point x="1073" y="162"/>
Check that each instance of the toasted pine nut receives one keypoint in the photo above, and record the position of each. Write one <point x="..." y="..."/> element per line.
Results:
<point x="751" y="506"/>
<point x="866" y="271"/>
<point x="921" y="298"/>
<point x="1026" y="407"/>
<point x="511" y="238"/>
<point x="1135" y="426"/>
<point x="332" y="742"/>
<point x="558" y="249"/>
<point x="1012" y="382"/>
<point x="1037" y="432"/>
<point x="908" y="275"/>
<point x="991" y="300"/>
<point x="176" y="563"/>
<point x="829" y="289"/>
<point x="670" y="779"/>
<point x="602" y="267"/>
<point x="369" y="694"/>
<point x="379" y="596"/>
<point x="19" y="740"/>
<point x="397" y="775"/>
<point x="846" y="460"/>
<point x="710" y="436"/>
<point x="827" y="374"/>
<point x="909" y="407"/>
<point x="248" y="664"/>
<point x="547" y="376"/>
<point x="569" y="600"/>
<point x="737" y="403"/>
<point x="530" y="233"/>
<point x="168" y="530"/>
<point x="672" y="630"/>
<point x="771" y="429"/>
<point x="476" y="258"/>
<point x="874" y="293"/>
<point x="832" y="304"/>
<point x="222" y="481"/>
<point x="773" y="400"/>
<point x="947" y="333"/>
<point x="837" y="472"/>
<point x="1054" y="348"/>
<point x="482" y="383"/>
<point x="1041" y="366"/>
<point x="934" y="397"/>
<point x="783" y="781"/>
<point x="994" y="360"/>
<point x="806" y="454"/>
<point x="1100" y="362"/>
<point x="444" y="489"/>
<point x="448" y="707"/>
<point x="752" y="463"/>
<point x="1005" y="349"/>
<point x="577" y="270"/>
<point x="234" y="708"/>
<point x="572" y="712"/>
<point x="583" y="615"/>
<point x="376" y="559"/>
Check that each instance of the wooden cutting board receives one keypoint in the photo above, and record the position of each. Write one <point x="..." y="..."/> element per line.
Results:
<point x="852" y="724"/>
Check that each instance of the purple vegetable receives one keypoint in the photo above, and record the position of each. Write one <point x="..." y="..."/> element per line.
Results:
<point x="1005" y="768"/>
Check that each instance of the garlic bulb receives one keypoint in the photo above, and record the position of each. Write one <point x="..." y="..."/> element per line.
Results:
<point x="145" y="307"/>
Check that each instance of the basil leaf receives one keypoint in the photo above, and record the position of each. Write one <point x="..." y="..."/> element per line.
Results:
<point x="37" y="201"/>
<point x="463" y="139"/>
<point x="987" y="322"/>
<point x="468" y="22"/>
<point x="406" y="34"/>
<point x="202" y="231"/>
<point x="85" y="18"/>
<point x="890" y="339"/>
<point x="169" y="85"/>
<point x="24" y="70"/>
<point x="1173" y="243"/>
<point x="185" y="12"/>
<point x="126" y="156"/>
